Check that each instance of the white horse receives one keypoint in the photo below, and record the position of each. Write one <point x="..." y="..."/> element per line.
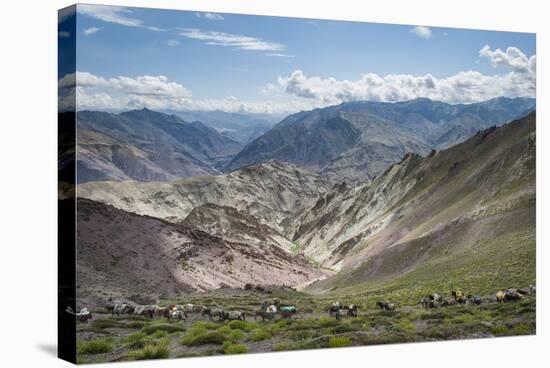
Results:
<point x="83" y="316"/>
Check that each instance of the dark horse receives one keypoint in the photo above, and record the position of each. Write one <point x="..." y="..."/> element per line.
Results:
<point x="265" y="315"/>
<point x="212" y="312"/>
<point x="387" y="306"/>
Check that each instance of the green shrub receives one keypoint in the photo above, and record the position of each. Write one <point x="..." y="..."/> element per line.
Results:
<point x="209" y="337"/>
<point x="151" y="351"/>
<point x="95" y="347"/>
<point x="303" y="324"/>
<point x="167" y="327"/>
<point x="273" y="328"/>
<point x="160" y="334"/>
<point x="309" y="344"/>
<point x="224" y="329"/>
<point x="282" y="323"/>
<point x="98" y="325"/>
<point x="344" y="327"/>
<point x="328" y="322"/>
<point x="339" y="341"/>
<point x="307" y="334"/>
<point x="241" y="325"/>
<point x="259" y="334"/>
<point x="235" y="349"/>
<point x="206" y="325"/>
<point x="407" y="325"/>
<point x="136" y="324"/>
<point x="522" y="329"/>
<point x="500" y="329"/>
<point x="235" y="335"/>
<point x="136" y="340"/>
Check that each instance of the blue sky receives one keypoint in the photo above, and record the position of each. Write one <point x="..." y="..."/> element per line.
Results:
<point x="128" y="57"/>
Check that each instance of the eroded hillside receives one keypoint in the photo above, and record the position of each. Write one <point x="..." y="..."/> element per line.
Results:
<point x="473" y="203"/>
<point x="121" y="253"/>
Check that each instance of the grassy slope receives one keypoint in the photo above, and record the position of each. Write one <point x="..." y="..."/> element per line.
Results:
<point x="473" y="229"/>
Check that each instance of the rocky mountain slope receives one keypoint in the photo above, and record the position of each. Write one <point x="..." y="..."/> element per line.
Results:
<point x="456" y="205"/>
<point x="121" y="253"/>
<point x="358" y="140"/>
<point x="467" y="207"/>
<point x="144" y="145"/>
<point x="271" y="192"/>
<point x="234" y="225"/>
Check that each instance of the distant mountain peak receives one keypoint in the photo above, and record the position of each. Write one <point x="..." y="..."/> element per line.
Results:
<point x="359" y="140"/>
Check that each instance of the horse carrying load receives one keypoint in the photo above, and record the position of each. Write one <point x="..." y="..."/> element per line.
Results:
<point x="287" y="311"/>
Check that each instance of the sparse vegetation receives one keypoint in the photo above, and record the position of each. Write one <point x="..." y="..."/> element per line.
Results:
<point x="235" y="348"/>
<point x="241" y="325"/>
<point x="407" y="325"/>
<point x="339" y="341"/>
<point x="259" y="334"/>
<point x="166" y="327"/>
<point x="95" y="346"/>
<point x="137" y="340"/>
<point x="372" y="326"/>
<point x="203" y="338"/>
<point x="159" y="350"/>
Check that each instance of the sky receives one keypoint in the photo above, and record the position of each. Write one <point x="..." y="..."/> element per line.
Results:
<point x="130" y="58"/>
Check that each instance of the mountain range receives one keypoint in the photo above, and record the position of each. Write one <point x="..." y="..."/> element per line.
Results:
<point x="145" y="145"/>
<point x="353" y="141"/>
<point x="358" y="140"/>
<point x="469" y="204"/>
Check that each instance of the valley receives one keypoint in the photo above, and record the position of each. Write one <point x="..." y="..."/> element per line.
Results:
<point x="457" y="218"/>
<point x="441" y="211"/>
<point x="233" y="184"/>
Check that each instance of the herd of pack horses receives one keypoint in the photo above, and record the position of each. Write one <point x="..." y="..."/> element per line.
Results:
<point x="270" y="311"/>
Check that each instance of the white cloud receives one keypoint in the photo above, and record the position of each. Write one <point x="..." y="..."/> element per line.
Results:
<point x="173" y="43"/>
<point x="111" y="14"/>
<point x="278" y="54"/>
<point x="513" y="58"/>
<point x="91" y="31"/>
<point x="422" y="32"/>
<point x="232" y="40"/>
<point x="114" y="14"/>
<point x="299" y="91"/>
<point x="155" y="92"/>
<point x="146" y="85"/>
<point x="463" y="87"/>
<point x="156" y="29"/>
<point x="210" y="16"/>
